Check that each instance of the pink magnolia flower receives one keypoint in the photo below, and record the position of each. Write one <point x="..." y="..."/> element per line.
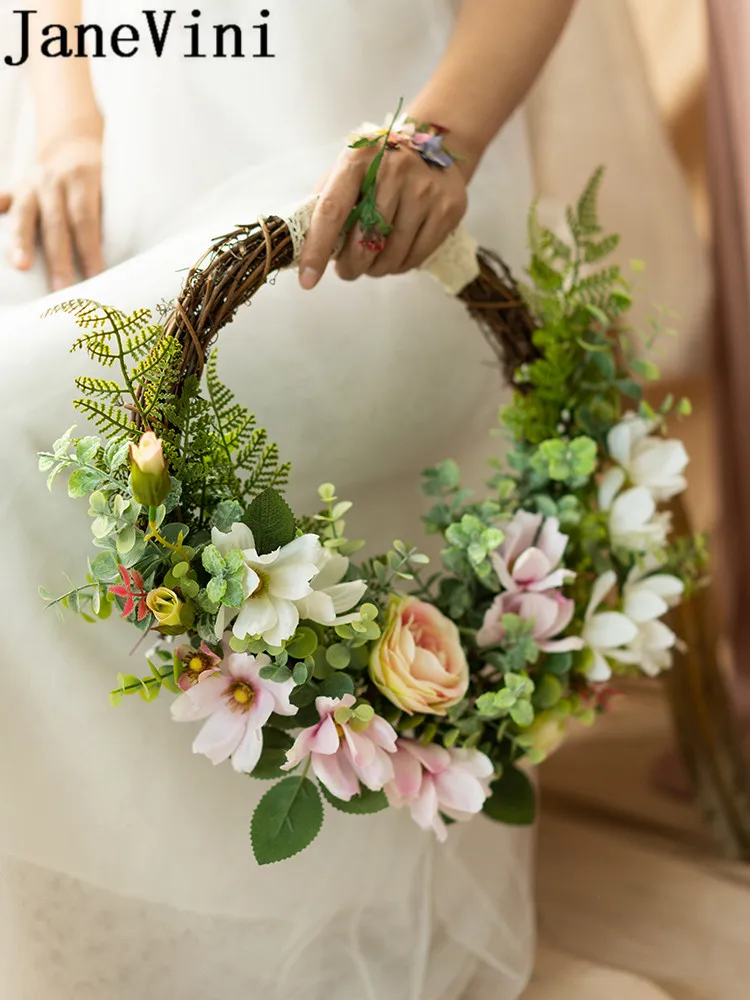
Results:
<point x="529" y="557"/>
<point x="344" y="750"/>
<point x="419" y="663"/>
<point x="236" y="704"/>
<point x="431" y="781"/>
<point x="548" y="612"/>
<point x="199" y="665"/>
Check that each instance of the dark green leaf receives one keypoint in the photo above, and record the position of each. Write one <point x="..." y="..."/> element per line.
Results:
<point x="364" y="804"/>
<point x="558" y="663"/>
<point x="172" y="532"/>
<point x="275" y="745"/>
<point x="271" y="521"/>
<point x="629" y="388"/>
<point x="337" y="686"/>
<point x="287" y="820"/>
<point x="513" y="798"/>
<point x="276" y="673"/>
<point x="304" y="696"/>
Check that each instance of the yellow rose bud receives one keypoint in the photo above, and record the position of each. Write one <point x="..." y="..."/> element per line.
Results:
<point x="165" y="606"/>
<point x="419" y="663"/>
<point x="149" y="478"/>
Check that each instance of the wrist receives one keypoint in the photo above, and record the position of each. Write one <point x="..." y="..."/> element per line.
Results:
<point x="73" y="128"/>
<point x="466" y="148"/>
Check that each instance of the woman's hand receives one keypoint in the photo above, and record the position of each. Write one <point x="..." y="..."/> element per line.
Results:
<point x="423" y="204"/>
<point x="61" y="201"/>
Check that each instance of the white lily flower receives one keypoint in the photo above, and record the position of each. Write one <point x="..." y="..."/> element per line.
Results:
<point x="330" y="597"/>
<point x="643" y="459"/>
<point x="634" y="523"/>
<point x="653" y="647"/>
<point x="645" y="600"/>
<point x="606" y="633"/>
<point x="272" y="583"/>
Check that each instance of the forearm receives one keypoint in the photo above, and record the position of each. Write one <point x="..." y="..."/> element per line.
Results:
<point x="63" y="92"/>
<point x="497" y="49"/>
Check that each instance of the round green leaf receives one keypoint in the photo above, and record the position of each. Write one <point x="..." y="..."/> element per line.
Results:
<point x="126" y="540"/>
<point x="549" y="691"/>
<point x="275" y="746"/>
<point x="300" y="674"/>
<point x="364" y="804"/>
<point x="303" y="644"/>
<point x="286" y="821"/>
<point x="513" y="799"/>
<point x="338" y="656"/>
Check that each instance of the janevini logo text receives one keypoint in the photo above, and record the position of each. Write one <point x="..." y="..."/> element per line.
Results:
<point x="156" y="32"/>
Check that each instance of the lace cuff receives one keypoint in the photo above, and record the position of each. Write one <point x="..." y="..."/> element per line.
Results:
<point x="454" y="264"/>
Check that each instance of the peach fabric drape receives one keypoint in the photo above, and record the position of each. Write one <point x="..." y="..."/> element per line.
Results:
<point x="729" y="152"/>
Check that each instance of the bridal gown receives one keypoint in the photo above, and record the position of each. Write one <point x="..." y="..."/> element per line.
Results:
<point x="125" y="864"/>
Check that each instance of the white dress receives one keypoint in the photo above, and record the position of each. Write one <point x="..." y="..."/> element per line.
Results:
<point x="125" y="863"/>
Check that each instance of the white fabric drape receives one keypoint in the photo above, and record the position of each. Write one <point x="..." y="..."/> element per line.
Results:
<point x="124" y="863"/>
<point x="125" y="866"/>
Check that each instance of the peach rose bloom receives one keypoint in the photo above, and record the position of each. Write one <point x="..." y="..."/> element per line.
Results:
<point x="419" y="663"/>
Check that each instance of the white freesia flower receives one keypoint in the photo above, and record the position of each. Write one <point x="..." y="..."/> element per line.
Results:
<point x="330" y="598"/>
<point x="643" y="459"/>
<point x="634" y="523"/>
<point x="606" y="633"/>
<point x="272" y="584"/>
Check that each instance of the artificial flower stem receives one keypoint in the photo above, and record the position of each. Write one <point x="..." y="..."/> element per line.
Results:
<point x="367" y="201"/>
<point x="154" y="532"/>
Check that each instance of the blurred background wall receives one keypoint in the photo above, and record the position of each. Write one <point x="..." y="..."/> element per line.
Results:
<point x="674" y="38"/>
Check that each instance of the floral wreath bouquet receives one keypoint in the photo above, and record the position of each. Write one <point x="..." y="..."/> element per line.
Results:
<point x="380" y="683"/>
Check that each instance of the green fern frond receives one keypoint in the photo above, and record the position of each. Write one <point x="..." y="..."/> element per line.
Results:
<point x="596" y="287"/>
<point x="595" y="251"/>
<point x="534" y="228"/>
<point x="157" y="374"/>
<point x="89" y="315"/>
<point x="235" y="422"/>
<point x="266" y="473"/>
<point x="111" y="420"/>
<point x="98" y="348"/>
<point x="558" y="248"/>
<point x="575" y="230"/>
<point x="139" y="343"/>
<point x="99" y="387"/>
<point x="587" y="214"/>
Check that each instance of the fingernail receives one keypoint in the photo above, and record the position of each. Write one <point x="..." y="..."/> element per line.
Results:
<point x="20" y="260"/>
<point x="309" y="278"/>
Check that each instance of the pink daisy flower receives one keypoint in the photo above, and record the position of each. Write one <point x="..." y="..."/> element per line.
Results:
<point x="236" y="704"/>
